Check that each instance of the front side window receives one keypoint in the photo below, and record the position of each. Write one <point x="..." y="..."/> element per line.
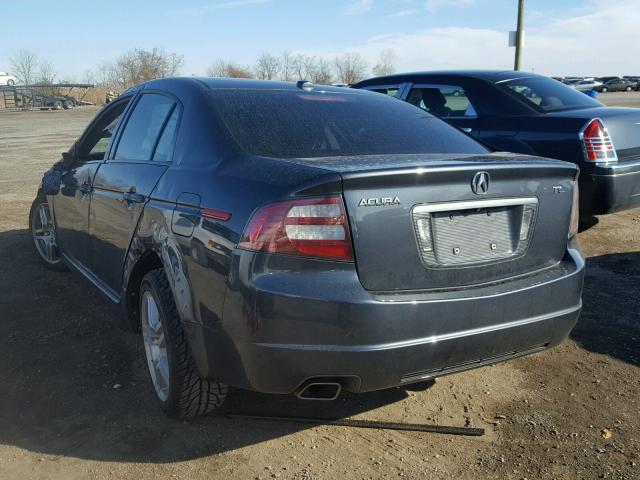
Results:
<point x="298" y="124"/>
<point x="548" y="95"/>
<point x="442" y="100"/>
<point x="142" y="130"/>
<point x="96" y="142"/>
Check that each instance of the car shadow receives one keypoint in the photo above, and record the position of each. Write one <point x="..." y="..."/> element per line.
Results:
<point x="610" y="318"/>
<point x="75" y="382"/>
<point x="587" y="222"/>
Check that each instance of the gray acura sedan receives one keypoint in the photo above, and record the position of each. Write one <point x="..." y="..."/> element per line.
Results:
<point x="291" y="238"/>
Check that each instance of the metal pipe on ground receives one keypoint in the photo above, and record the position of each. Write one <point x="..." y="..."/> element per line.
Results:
<point x="416" y="427"/>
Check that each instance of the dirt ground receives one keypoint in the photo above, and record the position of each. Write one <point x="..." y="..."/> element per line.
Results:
<point x="75" y="401"/>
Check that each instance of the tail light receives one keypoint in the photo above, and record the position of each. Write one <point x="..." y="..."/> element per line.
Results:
<point x="575" y="211"/>
<point x="312" y="227"/>
<point x="597" y="143"/>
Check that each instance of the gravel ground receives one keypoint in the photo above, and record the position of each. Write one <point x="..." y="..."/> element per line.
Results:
<point x="76" y="401"/>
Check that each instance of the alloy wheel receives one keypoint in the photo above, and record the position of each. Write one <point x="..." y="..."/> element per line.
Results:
<point x="44" y="235"/>
<point x="155" y="345"/>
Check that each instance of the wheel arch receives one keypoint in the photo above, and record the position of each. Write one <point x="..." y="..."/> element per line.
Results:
<point x="154" y="245"/>
<point x="148" y="261"/>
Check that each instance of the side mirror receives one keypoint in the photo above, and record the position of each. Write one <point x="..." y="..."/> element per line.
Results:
<point x="70" y="157"/>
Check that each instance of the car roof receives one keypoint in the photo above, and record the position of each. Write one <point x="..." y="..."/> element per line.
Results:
<point x="487" y="75"/>
<point x="211" y="83"/>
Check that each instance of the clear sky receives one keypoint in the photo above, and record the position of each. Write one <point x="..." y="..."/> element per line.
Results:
<point x="563" y="37"/>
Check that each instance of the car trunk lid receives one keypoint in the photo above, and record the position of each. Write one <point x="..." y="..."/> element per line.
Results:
<point x="516" y="223"/>
<point x="623" y="125"/>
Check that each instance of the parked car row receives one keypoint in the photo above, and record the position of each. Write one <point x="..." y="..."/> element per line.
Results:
<point x="617" y="85"/>
<point x="602" y="84"/>
<point x="292" y="238"/>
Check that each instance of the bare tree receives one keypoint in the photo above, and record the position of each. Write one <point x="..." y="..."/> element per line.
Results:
<point x="143" y="65"/>
<point x="321" y="74"/>
<point x="223" y="68"/>
<point x="304" y="66"/>
<point x="46" y="75"/>
<point x="386" y="63"/>
<point x="24" y="64"/>
<point x="351" y="68"/>
<point x="137" y="66"/>
<point x="267" y="66"/>
<point x="88" y="77"/>
<point x="297" y="65"/>
<point x="106" y="76"/>
<point x="287" y="66"/>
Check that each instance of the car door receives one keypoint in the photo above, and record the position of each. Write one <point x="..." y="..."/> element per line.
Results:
<point x="449" y="102"/>
<point x="71" y="204"/>
<point x="123" y="184"/>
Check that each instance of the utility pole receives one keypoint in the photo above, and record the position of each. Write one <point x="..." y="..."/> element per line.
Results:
<point x="519" y="35"/>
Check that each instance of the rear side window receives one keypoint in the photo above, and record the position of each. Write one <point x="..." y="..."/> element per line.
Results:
<point x="391" y="91"/>
<point x="299" y="124"/>
<point x="165" y="144"/>
<point x="548" y="95"/>
<point x="141" y="133"/>
<point x="442" y="100"/>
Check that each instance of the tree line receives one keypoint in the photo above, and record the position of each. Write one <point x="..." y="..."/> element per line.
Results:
<point x="140" y="65"/>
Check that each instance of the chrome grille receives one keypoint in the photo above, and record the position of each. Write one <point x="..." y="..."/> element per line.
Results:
<point x="475" y="232"/>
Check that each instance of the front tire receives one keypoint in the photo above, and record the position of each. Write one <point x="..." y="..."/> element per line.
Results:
<point x="43" y="234"/>
<point x="604" y="89"/>
<point x="628" y="89"/>
<point x="10" y="83"/>
<point x="181" y="391"/>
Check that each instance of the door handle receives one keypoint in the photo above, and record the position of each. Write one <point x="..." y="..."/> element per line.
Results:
<point x="466" y="129"/>
<point x="133" y="197"/>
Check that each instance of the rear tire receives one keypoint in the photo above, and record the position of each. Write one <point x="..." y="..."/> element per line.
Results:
<point x="628" y="89"/>
<point x="604" y="89"/>
<point x="181" y="391"/>
<point x="10" y="83"/>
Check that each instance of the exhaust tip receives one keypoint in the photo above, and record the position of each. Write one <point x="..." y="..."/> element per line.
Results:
<point x="319" y="391"/>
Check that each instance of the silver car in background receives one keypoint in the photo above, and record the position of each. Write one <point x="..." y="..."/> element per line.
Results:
<point x="585" y="85"/>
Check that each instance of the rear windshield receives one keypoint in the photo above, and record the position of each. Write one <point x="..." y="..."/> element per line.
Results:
<point x="302" y="124"/>
<point x="549" y="95"/>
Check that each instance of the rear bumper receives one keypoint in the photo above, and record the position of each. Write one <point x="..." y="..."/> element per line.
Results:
<point x="609" y="189"/>
<point x="282" y="328"/>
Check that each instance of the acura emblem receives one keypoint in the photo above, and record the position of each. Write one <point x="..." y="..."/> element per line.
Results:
<point x="480" y="183"/>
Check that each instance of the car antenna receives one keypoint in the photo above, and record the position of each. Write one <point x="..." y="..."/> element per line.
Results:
<point x="305" y="85"/>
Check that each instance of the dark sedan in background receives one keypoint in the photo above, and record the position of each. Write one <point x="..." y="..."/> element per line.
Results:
<point x="617" y="85"/>
<point x="304" y="239"/>
<point x="532" y="114"/>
